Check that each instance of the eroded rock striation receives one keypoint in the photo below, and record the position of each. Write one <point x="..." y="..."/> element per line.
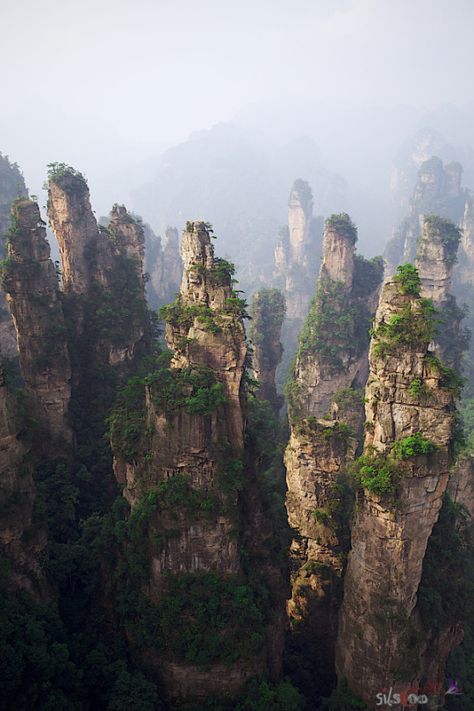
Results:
<point x="326" y="418"/>
<point x="404" y="472"/>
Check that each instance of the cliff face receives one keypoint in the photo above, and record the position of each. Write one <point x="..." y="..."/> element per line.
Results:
<point x="100" y="266"/>
<point x="21" y="541"/>
<point x="31" y="285"/>
<point x="12" y="186"/>
<point x="404" y="473"/>
<point x="267" y="313"/>
<point x="164" y="265"/>
<point x="85" y="256"/>
<point x="332" y="351"/>
<point x="185" y="478"/>
<point x="326" y="411"/>
<point x="297" y="258"/>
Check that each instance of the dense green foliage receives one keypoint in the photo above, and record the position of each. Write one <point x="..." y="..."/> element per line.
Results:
<point x="193" y="390"/>
<point x="378" y="474"/>
<point x="68" y="178"/>
<point x="221" y="273"/>
<point x="381" y="473"/>
<point x="368" y="275"/>
<point x="267" y="312"/>
<point x="413" y="446"/>
<point x="116" y="313"/>
<point x="343" y="225"/>
<point x="182" y="315"/>
<point x="452" y="337"/>
<point x="334" y="327"/>
<point x="446" y="592"/>
<point x="413" y="326"/>
<point x="205" y="617"/>
<point x="408" y="280"/>
<point x="342" y="699"/>
<point x="449" y="378"/>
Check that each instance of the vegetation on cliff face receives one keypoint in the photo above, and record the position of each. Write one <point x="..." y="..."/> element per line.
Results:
<point x="333" y="326"/>
<point x="450" y="235"/>
<point x="76" y="648"/>
<point x="343" y="225"/>
<point x="380" y="474"/>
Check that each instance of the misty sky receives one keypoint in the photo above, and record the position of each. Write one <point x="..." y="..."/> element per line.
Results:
<point x="107" y="84"/>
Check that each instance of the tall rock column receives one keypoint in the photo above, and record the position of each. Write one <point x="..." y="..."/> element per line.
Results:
<point x="76" y="230"/>
<point x="267" y="313"/>
<point x="297" y="257"/>
<point x="12" y="186"/>
<point x="164" y="265"/>
<point x="404" y="473"/>
<point x="326" y="411"/>
<point x="31" y="284"/>
<point x="435" y="261"/>
<point x="182" y="469"/>
<point x="102" y="270"/>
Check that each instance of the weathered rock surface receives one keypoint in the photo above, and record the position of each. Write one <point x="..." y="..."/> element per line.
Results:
<point x="326" y="418"/>
<point x="377" y="645"/>
<point x="31" y="284"/>
<point x="12" y="186"/>
<point x="101" y="266"/>
<point x="192" y="441"/>
<point x="435" y="258"/>
<point x="86" y="253"/>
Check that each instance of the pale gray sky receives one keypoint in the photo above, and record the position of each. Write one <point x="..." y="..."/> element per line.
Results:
<point x="104" y="84"/>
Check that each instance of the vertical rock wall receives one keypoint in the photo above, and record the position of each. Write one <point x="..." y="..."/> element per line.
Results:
<point x="409" y="430"/>
<point x="326" y="412"/>
<point x="297" y="257"/>
<point x="31" y="284"/>
<point x="190" y="463"/>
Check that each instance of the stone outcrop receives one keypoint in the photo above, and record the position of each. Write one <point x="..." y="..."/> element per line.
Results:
<point x="326" y="417"/>
<point x="267" y="314"/>
<point x="410" y="418"/>
<point x="297" y="257"/>
<point x="189" y="461"/>
<point x="31" y="284"/>
<point x="164" y="266"/>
